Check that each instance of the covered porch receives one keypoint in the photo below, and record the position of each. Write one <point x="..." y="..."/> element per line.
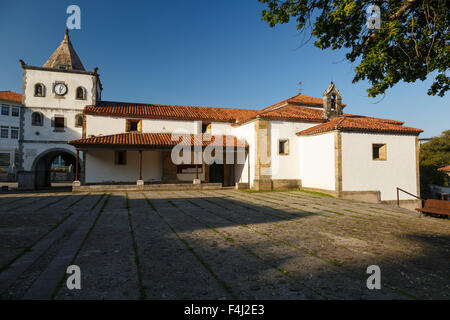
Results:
<point x="159" y="160"/>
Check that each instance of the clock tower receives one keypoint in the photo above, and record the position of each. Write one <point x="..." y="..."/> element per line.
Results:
<point x="54" y="97"/>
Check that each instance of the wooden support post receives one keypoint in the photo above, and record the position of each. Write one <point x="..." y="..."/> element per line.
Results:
<point x="140" y="164"/>
<point x="76" y="165"/>
<point x="196" y="165"/>
<point x="248" y="171"/>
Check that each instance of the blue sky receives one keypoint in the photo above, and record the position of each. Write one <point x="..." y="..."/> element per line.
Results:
<point x="199" y="52"/>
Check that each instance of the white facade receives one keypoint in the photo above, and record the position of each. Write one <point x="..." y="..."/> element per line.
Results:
<point x="361" y="173"/>
<point x="102" y="169"/>
<point x="72" y="79"/>
<point x="286" y="166"/>
<point x="317" y="161"/>
<point x="44" y="136"/>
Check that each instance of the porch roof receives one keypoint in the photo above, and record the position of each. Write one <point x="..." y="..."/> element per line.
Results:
<point x="162" y="140"/>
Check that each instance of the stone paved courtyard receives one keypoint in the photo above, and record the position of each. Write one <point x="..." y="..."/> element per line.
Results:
<point x="221" y="244"/>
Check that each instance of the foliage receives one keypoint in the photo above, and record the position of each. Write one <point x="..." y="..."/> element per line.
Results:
<point x="433" y="155"/>
<point x="410" y="44"/>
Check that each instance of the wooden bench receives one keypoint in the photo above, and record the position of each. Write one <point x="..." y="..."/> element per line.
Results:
<point x="439" y="207"/>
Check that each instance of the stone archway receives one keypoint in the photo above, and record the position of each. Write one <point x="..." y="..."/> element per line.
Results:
<point x="42" y="165"/>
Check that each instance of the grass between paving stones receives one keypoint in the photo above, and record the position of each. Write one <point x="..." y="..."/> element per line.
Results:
<point x="264" y="191"/>
<point x="315" y="193"/>
<point x="248" y="250"/>
<point x="142" y="293"/>
<point x="352" y="228"/>
<point x="28" y="203"/>
<point x="75" y="202"/>
<point x="28" y="248"/>
<point x="64" y="276"/>
<point x="322" y="215"/>
<point x="365" y="213"/>
<point x="51" y="203"/>
<point x="308" y="251"/>
<point x="17" y="199"/>
<point x="221" y="282"/>
<point x="360" y="219"/>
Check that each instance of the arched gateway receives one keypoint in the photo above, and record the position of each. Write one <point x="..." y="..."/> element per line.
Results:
<point x="42" y="165"/>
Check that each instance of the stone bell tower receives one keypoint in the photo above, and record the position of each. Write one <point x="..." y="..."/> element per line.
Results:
<point x="332" y="102"/>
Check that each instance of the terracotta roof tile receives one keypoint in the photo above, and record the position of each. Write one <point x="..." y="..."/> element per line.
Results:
<point x="297" y="108"/>
<point x="299" y="99"/>
<point x="446" y="168"/>
<point x="10" y="96"/>
<point x="158" y="140"/>
<point x="293" y="112"/>
<point x="158" y="111"/>
<point x="361" y="124"/>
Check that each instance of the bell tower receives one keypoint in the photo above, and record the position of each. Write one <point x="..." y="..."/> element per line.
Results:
<point x="332" y="102"/>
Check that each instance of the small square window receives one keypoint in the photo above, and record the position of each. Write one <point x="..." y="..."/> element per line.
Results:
<point x="283" y="147"/>
<point x="206" y="127"/>
<point x="134" y="126"/>
<point x="379" y="151"/>
<point x="14" y="133"/>
<point x="59" y="123"/>
<point x="4" y="132"/>
<point x="5" y="111"/>
<point x="120" y="157"/>
<point x="15" y="112"/>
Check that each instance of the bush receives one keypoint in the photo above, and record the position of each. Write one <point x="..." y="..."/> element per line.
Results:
<point x="434" y="154"/>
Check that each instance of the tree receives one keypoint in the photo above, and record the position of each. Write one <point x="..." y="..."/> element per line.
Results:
<point x="410" y="44"/>
<point x="433" y="155"/>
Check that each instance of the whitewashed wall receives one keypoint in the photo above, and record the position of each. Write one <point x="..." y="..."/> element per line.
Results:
<point x="48" y="133"/>
<point x="246" y="133"/>
<point x="360" y="172"/>
<point x="48" y="78"/>
<point x="221" y="128"/>
<point x="100" y="167"/>
<point x="286" y="166"/>
<point x="105" y="125"/>
<point x="316" y="161"/>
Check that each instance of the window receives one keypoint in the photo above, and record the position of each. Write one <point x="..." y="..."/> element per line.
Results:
<point x="4" y="132"/>
<point x="79" y="120"/>
<point x="15" y="112"/>
<point x="206" y="127"/>
<point x="120" y="157"/>
<point x="5" y="159"/>
<point x="134" y="126"/>
<point x="5" y="111"/>
<point x="62" y="67"/>
<point x="59" y="123"/>
<point x="37" y="119"/>
<point x="14" y="133"/>
<point x="283" y="147"/>
<point x="39" y="89"/>
<point x="379" y="151"/>
<point x="80" y="93"/>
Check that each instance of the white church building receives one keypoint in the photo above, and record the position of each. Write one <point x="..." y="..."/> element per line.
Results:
<point x="300" y="142"/>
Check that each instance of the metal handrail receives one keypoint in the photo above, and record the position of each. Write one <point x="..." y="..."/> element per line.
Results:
<point x="398" y="196"/>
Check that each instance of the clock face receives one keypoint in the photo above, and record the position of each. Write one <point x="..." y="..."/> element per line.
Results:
<point x="60" y="89"/>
